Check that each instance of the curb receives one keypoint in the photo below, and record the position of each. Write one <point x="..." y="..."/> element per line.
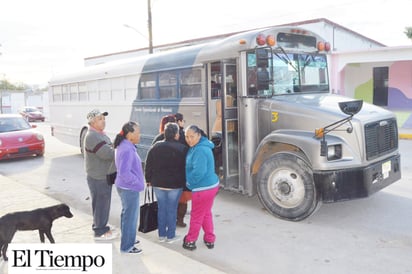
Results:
<point x="405" y="135"/>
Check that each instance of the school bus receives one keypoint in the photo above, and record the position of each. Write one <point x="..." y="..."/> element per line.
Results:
<point x="263" y="97"/>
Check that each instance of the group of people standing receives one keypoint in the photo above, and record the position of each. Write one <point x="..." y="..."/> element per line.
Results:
<point x="179" y="166"/>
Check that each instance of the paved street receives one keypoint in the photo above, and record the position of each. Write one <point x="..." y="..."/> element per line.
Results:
<point x="369" y="236"/>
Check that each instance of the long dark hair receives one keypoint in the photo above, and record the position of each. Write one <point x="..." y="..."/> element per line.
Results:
<point x="126" y="128"/>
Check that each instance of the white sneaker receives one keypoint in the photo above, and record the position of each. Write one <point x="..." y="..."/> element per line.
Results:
<point x="135" y="250"/>
<point x="108" y="236"/>
<point x="174" y="239"/>
<point x="162" y="239"/>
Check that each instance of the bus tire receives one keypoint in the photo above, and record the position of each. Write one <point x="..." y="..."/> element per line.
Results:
<point x="286" y="188"/>
<point x="82" y="136"/>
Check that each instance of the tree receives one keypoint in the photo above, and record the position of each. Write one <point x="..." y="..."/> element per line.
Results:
<point x="6" y="85"/>
<point x="408" y="32"/>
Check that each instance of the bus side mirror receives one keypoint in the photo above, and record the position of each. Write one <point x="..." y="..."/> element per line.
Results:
<point x="323" y="148"/>
<point x="262" y="79"/>
<point x="262" y="58"/>
<point x="262" y="63"/>
<point x="351" y="107"/>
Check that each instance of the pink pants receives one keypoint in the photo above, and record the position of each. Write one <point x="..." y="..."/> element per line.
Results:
<point x="201" y="215"/>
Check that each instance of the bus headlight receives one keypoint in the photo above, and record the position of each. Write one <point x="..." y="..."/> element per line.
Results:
<point x="334" y="152"/>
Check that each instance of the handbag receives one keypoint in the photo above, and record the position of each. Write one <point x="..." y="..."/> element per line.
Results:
<point x="111" y="178"/>
<point x="148" y="213"/>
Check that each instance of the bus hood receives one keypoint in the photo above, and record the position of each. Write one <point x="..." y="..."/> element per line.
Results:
<point x="326" y="107"/>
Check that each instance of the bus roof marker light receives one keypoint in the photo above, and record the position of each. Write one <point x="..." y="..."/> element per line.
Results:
<point x="270" y="40"/>
<point x="242" y="42"/>
<point x="260" y="39"/>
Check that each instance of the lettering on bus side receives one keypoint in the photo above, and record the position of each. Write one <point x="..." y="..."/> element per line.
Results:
<point x="153" y="109"/>
<point x="275" y="116"/>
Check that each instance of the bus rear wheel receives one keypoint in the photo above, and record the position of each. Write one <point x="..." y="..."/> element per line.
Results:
<point x="285" y="187"/>
<point x="82" y="137"/>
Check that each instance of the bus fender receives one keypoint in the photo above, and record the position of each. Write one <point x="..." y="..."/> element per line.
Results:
<point x="302" y="142"/>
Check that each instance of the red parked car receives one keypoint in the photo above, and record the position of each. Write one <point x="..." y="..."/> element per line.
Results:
<point x="18" y="138"/>
<point x="31" y="114"/>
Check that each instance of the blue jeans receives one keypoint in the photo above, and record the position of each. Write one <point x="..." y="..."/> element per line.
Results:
<point x="167" y="200"/>
<point x="130" y="213"/>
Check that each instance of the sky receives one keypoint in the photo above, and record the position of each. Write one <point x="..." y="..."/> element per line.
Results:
<point x="43" y="38"/>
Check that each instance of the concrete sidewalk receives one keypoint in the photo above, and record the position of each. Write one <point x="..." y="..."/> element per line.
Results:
<point x="155" y="258"/>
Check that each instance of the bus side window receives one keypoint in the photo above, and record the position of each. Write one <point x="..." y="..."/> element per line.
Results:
<point x="216" y="89"/>
<point x="191" y="83"/>
<point x="217" y="126"/>
<point x="251" y="74"/>
<point x="147" y="86"/>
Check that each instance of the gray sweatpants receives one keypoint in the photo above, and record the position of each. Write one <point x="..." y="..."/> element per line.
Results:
<point x="101" y="195"/>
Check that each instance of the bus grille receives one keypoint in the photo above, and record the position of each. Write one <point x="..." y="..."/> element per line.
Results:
<point x="381" y="137"/>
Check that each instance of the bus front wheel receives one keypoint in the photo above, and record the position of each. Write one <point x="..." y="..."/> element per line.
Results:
<point x="285" y="187"/>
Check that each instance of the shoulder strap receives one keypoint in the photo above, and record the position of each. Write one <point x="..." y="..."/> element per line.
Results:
<point x="147" y="195"/>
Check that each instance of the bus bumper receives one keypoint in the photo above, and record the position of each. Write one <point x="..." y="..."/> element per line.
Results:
<point x="347" y="184"/>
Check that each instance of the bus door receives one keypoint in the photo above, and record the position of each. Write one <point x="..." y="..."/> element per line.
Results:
<point x="224" y="106"/>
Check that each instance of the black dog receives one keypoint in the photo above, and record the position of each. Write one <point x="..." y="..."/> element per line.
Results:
<point x="39" y="219"/>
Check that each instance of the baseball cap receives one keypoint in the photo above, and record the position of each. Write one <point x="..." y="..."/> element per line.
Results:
<point x="94" y="113"/>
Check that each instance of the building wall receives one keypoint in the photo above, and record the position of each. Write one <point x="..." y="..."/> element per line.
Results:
<point x="339" y="37"/>
<point x="353" y="77"/>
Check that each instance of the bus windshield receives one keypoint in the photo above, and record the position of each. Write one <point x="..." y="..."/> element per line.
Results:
<point x="289" y="73"/>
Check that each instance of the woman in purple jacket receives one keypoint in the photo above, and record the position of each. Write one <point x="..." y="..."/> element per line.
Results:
<point x="129" y="182"/>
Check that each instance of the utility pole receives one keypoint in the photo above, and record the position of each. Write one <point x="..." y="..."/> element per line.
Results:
<point x="149" y="23"/>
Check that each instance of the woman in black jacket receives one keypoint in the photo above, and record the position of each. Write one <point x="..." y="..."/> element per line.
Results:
<point x="165" y="171"/>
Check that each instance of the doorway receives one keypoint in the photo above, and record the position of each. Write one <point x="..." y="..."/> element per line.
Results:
<point x="223" y="112"/>
<point x="380" y="86"/>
